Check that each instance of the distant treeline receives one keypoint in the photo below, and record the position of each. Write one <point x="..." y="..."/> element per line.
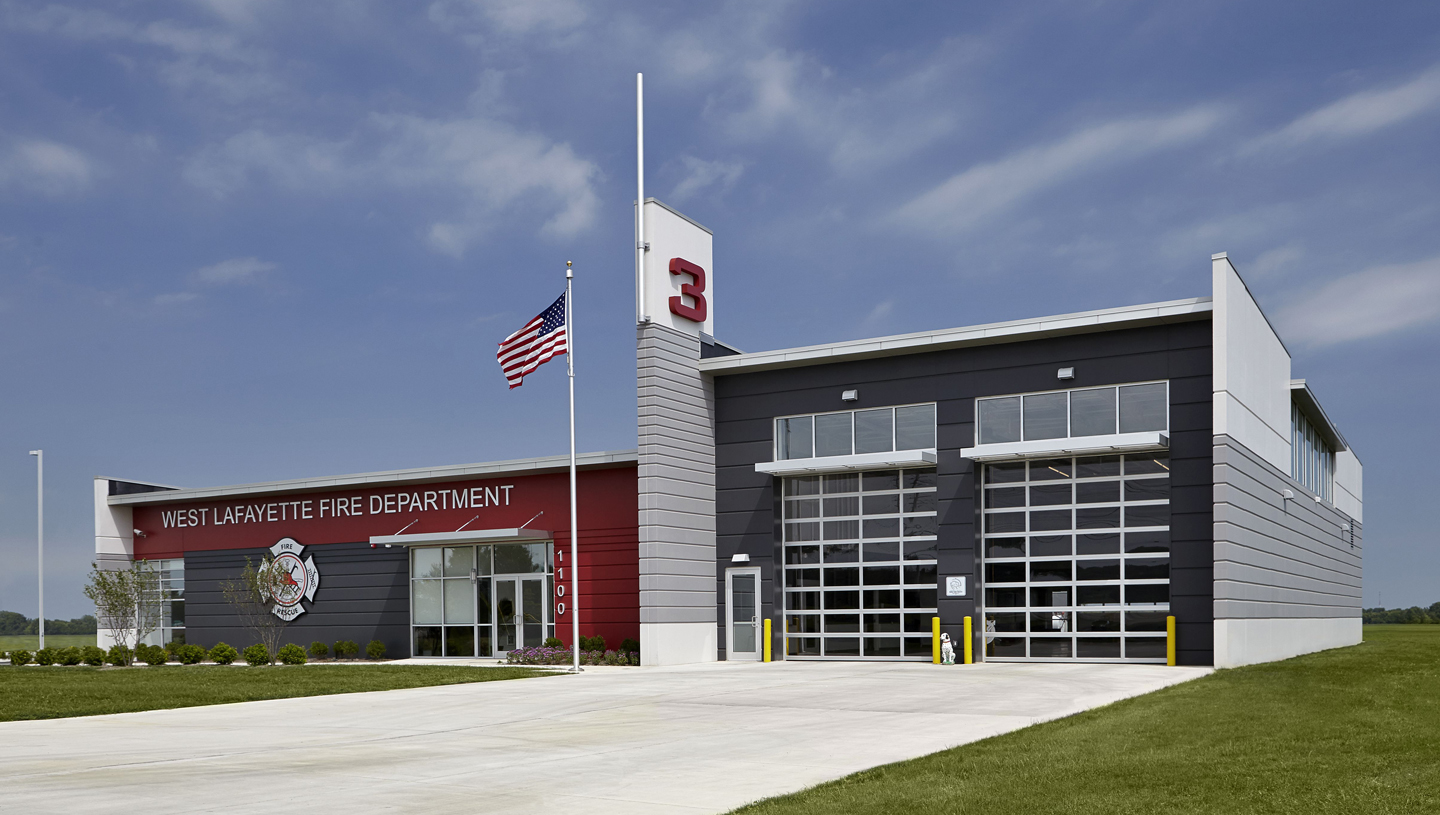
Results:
<point x="1414" y="614"/>
<point x="15" y="623"/>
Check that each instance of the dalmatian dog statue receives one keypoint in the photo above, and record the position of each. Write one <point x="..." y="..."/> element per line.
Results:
<point x="947" y="650"/>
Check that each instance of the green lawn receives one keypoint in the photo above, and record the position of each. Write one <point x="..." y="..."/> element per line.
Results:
<point x="1355" y="730"/>
<point x="29" y="642"/>
<point x="52" y="693"/>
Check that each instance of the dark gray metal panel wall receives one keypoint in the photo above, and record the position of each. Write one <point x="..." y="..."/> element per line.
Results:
<point x="746" y="504"/>
<point x="363" y="596"/>
<point x="1278" y="558"/>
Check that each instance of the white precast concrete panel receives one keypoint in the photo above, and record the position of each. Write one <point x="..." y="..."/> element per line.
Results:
<point x="1248" y="642"/>
<point x="114" y="527"/>
<point x="114" y="542"/>
<point x="1349" y="485"/>
<point x="676" y="434"/>
<point x="672" y="235"/>
<point x="1251" y="370"/>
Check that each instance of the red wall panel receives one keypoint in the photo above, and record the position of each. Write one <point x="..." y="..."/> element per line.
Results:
<point x="607" y="505"/>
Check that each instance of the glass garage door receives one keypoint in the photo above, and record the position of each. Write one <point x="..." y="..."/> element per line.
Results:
<point x="1077" y="558"/>
<point x="860" y="569"/>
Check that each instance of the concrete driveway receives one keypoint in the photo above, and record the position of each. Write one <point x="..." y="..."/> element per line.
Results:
<point x="703" y="738"/>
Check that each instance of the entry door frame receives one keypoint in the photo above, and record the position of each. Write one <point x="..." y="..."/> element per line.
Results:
<point x="519" y="628"/>
<point x="757" y="618"/>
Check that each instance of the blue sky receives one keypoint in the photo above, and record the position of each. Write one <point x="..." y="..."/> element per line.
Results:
<point x="246" y="240"/>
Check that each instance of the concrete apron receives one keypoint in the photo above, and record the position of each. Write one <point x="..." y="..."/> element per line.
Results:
<point x="700" y="738"/>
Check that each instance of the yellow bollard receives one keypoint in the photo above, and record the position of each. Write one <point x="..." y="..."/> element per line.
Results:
<point x="767" y="639"/>
<point x="935" y="640"/>
<point x="1169" y="640"/>
<point x="969" y="643"/>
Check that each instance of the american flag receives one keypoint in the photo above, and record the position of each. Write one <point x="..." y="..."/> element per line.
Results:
<point x="530" y="347"/>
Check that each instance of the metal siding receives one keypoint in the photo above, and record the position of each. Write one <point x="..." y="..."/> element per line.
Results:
<point x="1278" y="558"/>
<point x="747" y="507"/>
<point x="676" y="479"/>
<point x="363" y="596"/>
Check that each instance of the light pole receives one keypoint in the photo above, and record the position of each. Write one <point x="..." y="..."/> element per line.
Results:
<point x="40" y="531"/>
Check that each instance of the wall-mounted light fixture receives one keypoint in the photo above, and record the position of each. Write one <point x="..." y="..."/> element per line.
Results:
<point x="850" y="395"/>
<point x="1065" y="373"/>
<point x="739" y="557"/>
<point x="1287" y="494"/>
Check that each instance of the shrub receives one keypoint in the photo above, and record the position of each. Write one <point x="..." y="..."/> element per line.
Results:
<point x="595" y="643"/>
<point x="91" y="655"/>
<point x="151" y="654"/>
<point x="46" y="656"/>
<point x="69" y="656"/>
<point x="190" y="654"/>
<point x="257" y="654"/>
<point x="223" y="654"/>
<point x="629" y="646"/>
<point x="375" y="650"/>
<point x="291" y="654"/>
<point x="553" y="642"/>
<point x="318" y="650"/>
<point x="119" y="655"/>
<point x="564" y="656"/>
<point x="21" y="657"/>
<point x="346" y="648"/>
<point x="172" y="648"/>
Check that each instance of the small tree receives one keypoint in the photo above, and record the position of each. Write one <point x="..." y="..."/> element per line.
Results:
<point x="251" y="595"/>
<point x="127" y="601"/>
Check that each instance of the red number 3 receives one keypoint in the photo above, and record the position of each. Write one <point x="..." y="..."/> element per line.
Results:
<point x="695" y="291"/>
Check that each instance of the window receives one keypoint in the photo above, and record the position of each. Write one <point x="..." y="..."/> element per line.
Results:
<point x="860" y="564"/>
<point x="170" y="597"/>
<point x="1074" y="413"/>
<point x="468" y="601"/>
<point x="1076" y="555"/>
<point x="881" y="430"/>
<point x="1312" y="461"/>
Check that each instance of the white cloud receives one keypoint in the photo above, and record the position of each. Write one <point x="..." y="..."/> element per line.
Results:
<point x="526" y="15"/>
<point x="492" y="166"/>
<point x="1359" y="114"/>
<point x="1275" y="260"/>
<point x="794" y="96"/>
<point x="880" y="314"/>
<point x="772" y="87"/>
<point x="483" y="166"/>
<point x="46" y="167"/>
<point x="290" y="161"/>
<point x="90" y="25"/>
<point x="1370" y="303"/>
<point x="700" y="174"/>
<point x="732" y="55"/>
<point x="233" y="271"/>
<point x="512" y="17"/>
<point x="175" y="298"/>
<point x="968" y="197"/>
<point x="240" y="12"/>
<point x="216" y="61"/>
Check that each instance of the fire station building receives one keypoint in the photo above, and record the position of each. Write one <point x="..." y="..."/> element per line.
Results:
<point x="1067" y="482"/>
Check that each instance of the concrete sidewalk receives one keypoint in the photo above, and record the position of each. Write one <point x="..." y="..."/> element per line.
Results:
<point x="704" y="738"/>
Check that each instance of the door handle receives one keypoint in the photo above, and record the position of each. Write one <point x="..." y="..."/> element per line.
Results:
<point x="753" y="623"/>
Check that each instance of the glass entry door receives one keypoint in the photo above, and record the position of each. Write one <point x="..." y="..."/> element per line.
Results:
<point x="519" y="613"/>
<point x="742" y="596"/>
<point x="469" y="601"/>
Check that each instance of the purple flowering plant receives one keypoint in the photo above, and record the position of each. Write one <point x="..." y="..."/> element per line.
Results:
<point x="547" y="655"/>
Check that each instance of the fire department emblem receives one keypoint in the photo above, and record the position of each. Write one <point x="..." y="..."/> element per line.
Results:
<point x="298" y="579"/>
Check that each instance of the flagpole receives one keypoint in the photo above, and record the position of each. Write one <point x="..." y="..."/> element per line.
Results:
<point x="574" y="524"/>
